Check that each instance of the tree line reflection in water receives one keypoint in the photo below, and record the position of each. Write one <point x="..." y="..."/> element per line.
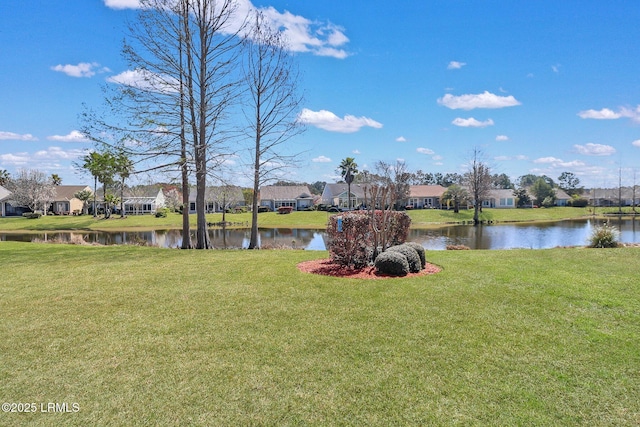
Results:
<point x="500" y="236"/>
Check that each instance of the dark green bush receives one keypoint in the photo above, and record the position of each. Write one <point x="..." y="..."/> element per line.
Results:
<point x="420" y="250"/>
<point x="32" y="215"/>
<point x="392" y="263"/>
<point x="579" y="203"/>
<point x="410" y="254"/>
<point x="162" y="212"/>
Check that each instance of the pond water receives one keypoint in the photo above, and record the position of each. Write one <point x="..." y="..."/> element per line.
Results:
<point x="499" y="236"/>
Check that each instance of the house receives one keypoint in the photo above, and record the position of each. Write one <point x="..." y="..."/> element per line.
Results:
<point x="607" y="197"/>
<point x="9" y="207"/>
<point x="425" y="196"/>
<point x="336" y="195"/>
<point x="562" y="198"/>
<point x="218" y="198"/>
<point x="4" y="196"/>
<point x="143" y="200"/>
<point x="65" y="202"/>
<point x="500" y="198"/>
<point x="298" y="197"/>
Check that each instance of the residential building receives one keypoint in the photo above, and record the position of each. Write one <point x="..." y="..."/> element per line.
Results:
<point x="425" y="196"/>
<point x="298" y="197"/>
<point x="500" y="198"/>
<point x="4" y="197"/>
<point x="337" y="195"/>
<point x="218" y="198"/>
<point x="65" y="202"/>
<point x="143" y="200"/>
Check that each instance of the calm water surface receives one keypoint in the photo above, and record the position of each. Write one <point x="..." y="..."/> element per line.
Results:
<point x="500" y="236"/>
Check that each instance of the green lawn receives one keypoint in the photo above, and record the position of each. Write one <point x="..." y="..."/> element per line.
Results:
<point x="316" y="220"/>
<point x="148" y="336"/>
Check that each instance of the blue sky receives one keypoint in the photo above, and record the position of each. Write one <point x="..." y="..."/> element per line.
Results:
<point x="539" y="87"/>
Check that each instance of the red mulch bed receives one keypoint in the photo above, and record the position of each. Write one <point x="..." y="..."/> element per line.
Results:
<point x="326" y="267"/>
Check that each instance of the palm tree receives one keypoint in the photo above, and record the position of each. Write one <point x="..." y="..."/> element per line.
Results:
<point x="56" y="179"/>
<point x="4" y="177"/>
<point x="123" y="168"/>
<point x="348" y="168"/>
<point x="457" y="195"/>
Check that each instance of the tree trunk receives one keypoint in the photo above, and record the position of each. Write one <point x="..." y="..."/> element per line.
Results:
<point x="186" y="232"/>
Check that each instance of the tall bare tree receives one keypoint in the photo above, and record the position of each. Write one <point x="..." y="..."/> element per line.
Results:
<point x="173" y="106"/>
<point x="271" y="80"/>
<point x="478" y="180"/>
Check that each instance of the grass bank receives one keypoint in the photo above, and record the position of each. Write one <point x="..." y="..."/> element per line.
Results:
<point x="315" y="220"/>
<point x="146" y="336"/>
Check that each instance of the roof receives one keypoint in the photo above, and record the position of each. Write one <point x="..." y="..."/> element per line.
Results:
<point x="212" y="194"/>
<point x="334" y="190"/>
<point x="147" y="191"/>
<point x="66" y="192"/>
<point x="561" y="194"/>
<point x="285" y="192"/>
<point x="418" y="191"/>
<point x="499" y="193"/>
<point x="4" y="193"/>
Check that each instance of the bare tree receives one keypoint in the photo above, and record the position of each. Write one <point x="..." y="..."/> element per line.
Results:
<point x="33" y="189"/>
<point x="478" y="180"/>
<point x="271" y="80"/>
<point x="173" y="108"/>
<point x="398" y="175"/>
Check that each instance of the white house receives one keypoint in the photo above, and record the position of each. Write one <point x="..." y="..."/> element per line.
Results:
<point x="336" y="195"/>
<point x="218" y="198"/>
<point x="500" y="199"/>
<point x="140" y="201"/>
<point x="4" y="196"/>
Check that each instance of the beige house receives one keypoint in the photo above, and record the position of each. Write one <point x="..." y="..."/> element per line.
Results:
<point x="298" y="197"/>
<point x="4" y="196"/>
<point x="425" y="196"/>
<point x="65" y="201"/>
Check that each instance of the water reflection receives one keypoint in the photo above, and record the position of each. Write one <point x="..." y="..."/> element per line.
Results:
<point x="500" y="236"/>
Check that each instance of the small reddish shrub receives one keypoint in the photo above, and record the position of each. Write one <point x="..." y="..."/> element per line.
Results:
<point x="353" y="237"/>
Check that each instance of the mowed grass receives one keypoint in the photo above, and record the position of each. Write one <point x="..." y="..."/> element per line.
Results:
<point x="148" y="336"/>
<point x="310" y="220"/>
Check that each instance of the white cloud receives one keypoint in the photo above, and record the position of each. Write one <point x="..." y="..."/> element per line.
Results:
<point x="356" y="152"/>
<point x="591" y="149"/>
<point x="608" y="114"/>
<point x="472" y="123"/>
<point x="481" y="100"/>
<point x="328" y="121"/>
<point x="455" y="65"/>
<point x="303" y="34"/>
<point x="83" y="69"/>
<point x="437" y="158"/>
<point x="401" y="139"/>
<point x="425" y="151"/>
<point x="604" y="114"/>
<point x="122" y="4"/>
<point x="547" y="160"/>
<point x="502" y="138"/>
<point x="555" y="162"/>
<point x="17" y="159"/>
<point x="321" y="159"/>
<point x="508" y="158"/>
<point x="145" y="80"/>
<point x="10" y="136"/>
<point x="43" y="159"/>
<point x="556" y="68"/>
<point x="636" y="143"/>
<point x="73" y="136"/>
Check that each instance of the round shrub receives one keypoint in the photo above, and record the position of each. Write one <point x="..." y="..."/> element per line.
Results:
<point x="412" y="256"/>
<point x="392" y="263"/>
<point x="420" y="250"/>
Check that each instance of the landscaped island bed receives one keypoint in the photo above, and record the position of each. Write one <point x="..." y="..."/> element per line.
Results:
<point x="148" y="336"/>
